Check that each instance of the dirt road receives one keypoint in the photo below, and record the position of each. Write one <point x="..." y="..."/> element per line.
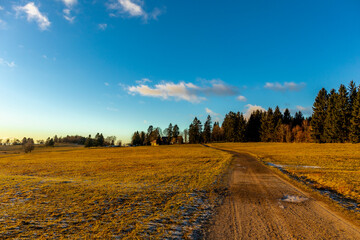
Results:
<point x="254" y="209"/>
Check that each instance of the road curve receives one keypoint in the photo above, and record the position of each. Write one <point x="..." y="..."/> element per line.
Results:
<point x="254" y="209"/>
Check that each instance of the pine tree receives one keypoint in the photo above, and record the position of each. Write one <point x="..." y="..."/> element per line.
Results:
<point x="355" y="120"/>
<point x="319" y="116"/>
<point x="176" y="131"/>
<point x="279" y="132"/>
<point x="352" y="94"/>
<point x="298" y="119"/>
<point x="216" y="135"/>
<point x="343" y="114"/>
<point x="277" y="115"/>
<point x="195" y="131"/>
<point x="287" y="117"/>
<point x="240" y="128"/>
<point x="253" y="127"/>
<point x="228" y="127"/>
<point x="267" y="126"/>
<point x="330" y="128"/>
<point x="207" y="130"/>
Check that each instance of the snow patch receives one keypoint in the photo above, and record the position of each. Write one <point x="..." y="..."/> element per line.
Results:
<point x="293" y="199"/>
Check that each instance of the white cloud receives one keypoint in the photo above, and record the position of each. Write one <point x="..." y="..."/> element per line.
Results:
<point x="133" y="8"/>
<point x="69" y="3"/>
<point x="252" y="108"/>
<point x="143" y="80"/>
<point x="33" y="14"/>
<point x="287" y="86"/>
<point x="210" y="112"/>
<point x="305" y="110"/>
<point x="67" y="15"/>
<point x="241" y="98"/>
<point x="6" y="63"/>
<point x="145" y="122"/>
<point x="106" y="84"/>
<point x="44" y="56"/>
<point x="181" y="91"/>
<point x="102" y="26"/>
<point x="1" y="8"/>
<point x="166" y="91"/>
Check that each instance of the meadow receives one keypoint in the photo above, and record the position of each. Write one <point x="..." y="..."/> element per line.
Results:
<point x="100" y="193"/>
<point x="334" y="167"/>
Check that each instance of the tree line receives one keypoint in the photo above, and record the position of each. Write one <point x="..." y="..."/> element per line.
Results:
<point x="335" y="118"/>
<point x="169" y="134"/>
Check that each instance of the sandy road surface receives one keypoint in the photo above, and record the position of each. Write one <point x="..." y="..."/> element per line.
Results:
<point x="254" y="209"/>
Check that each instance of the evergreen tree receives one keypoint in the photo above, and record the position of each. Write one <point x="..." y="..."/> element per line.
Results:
<point x="240" y="128"/>
<point x="343" y="114"/>
<point x="136" y="139"/>
<point x="355" y="120"/>
<point x="298" y="119"/>
<point x="279" y="132"/>
<point x="228" y="127"/>
<point x="253" y="127"/>
<point x="195" y="131"/>
<point x="267" y="126"/>
<point x="216" y="135"/>
<point x="319" y="115"/>
<point x="277" y="115"/>
<point x="176" y="131"/>
<point x="207" y="130"/>
<point x="287" y="117"/>
<point x="142" y="138"/>
<point x="330" y="128"/>
<point x="99" y="139"/>
<point x="88" y="142"/>
<point x="352" y="95"/>
<point x="169" y="132"/>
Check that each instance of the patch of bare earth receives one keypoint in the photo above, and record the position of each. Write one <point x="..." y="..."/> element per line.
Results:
<point x="263" y="206"/>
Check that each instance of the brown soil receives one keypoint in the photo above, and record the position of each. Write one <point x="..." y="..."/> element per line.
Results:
<point x="254" y="209"/>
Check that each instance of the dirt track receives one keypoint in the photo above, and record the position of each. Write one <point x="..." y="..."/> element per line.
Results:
<point x="254" y="209"/>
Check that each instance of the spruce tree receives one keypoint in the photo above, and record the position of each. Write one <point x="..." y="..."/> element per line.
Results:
<point x="241" y="127"/>
<point x="195" y="130"/>
<point x="319" y="116"/>
<point x="176" y="131"/>
<point x="277" y="115"/>
<point x="267" y="126"/>
<point x="216" y="132"/>
<point x="298" y="119"/>
<point x="207" y="130"/>
<point x="228" y="126"/>
<point x="355" y="120"/>
<point x="253" y="127"/>
<point x="330" y="124"/>
<point x="343" y="114"/>
<point x="287" y="117"/>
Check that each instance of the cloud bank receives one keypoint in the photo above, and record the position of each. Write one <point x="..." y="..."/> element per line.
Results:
<point x="33" y="14"/>
<point x="182" y="91"/>
<point x="287" y="86"/>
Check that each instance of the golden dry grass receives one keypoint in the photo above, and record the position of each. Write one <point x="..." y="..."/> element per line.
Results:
<point x="103" y="193"/>
<point x="337" y="166"/>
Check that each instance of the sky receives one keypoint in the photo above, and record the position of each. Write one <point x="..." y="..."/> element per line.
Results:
<point x="116" y="66"/>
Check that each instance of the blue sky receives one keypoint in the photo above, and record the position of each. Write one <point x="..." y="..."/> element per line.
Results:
<point x="116" y="66"/>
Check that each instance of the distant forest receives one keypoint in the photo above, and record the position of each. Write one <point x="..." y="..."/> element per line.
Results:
<point x="335" y="119"/>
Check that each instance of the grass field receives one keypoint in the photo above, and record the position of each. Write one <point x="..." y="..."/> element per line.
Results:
<point x="329" y="166"/>
<point x="67" y="192"/>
